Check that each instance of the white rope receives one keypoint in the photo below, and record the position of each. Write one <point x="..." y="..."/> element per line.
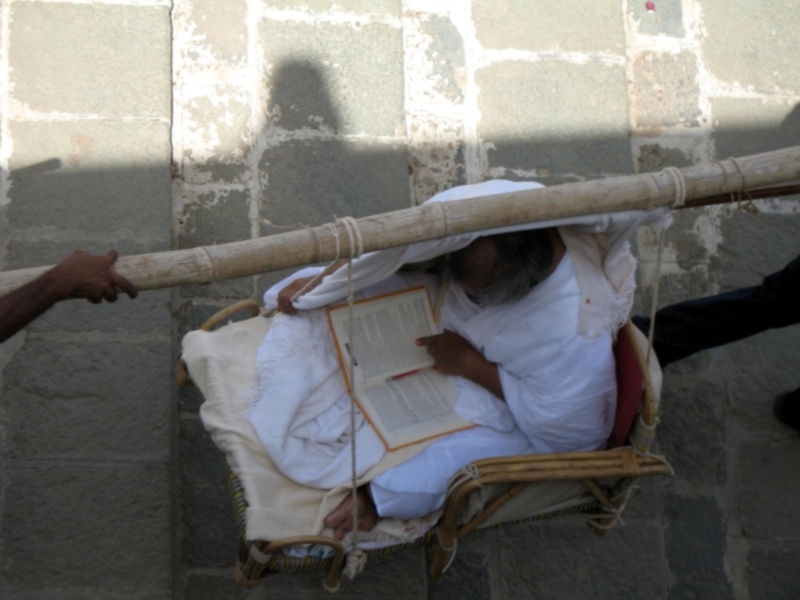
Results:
<point x="654" y="307"/>
<point x="615" y="512"/>
<point x="738" y="167"/>
<point x="327" y="270"/>
<point x="453" y="550"/>
<point x="356" y="558"/>
<point x="680" y="185"/>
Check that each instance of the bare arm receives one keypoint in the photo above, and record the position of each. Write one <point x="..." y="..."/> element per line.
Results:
<point x="80" y="275"/>
<point x="454" y="355"/>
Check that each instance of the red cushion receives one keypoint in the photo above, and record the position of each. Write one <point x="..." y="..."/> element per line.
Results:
<point x="630" y="386"/>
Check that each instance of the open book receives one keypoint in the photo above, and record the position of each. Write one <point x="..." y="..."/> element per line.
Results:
<point x="400" y="394"/>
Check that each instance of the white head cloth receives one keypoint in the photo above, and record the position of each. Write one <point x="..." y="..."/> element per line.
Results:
<point x="598" y="244"/>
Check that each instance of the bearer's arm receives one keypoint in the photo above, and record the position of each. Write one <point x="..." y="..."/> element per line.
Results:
<point x="80" y="275"/>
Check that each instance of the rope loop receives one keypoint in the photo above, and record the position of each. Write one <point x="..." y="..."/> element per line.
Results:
<point x="680" y="185"/>
<point x="356" y="560"/>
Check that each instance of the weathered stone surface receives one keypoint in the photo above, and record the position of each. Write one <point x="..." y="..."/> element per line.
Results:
<point x="769" y="485"/>
<point x="111" y="177"/>
<point x="753" y="246"/>
<point x="217" y="218"/>
<point x="89" y="401"/>
<point x="313" y="182"/>
<point x="436" y="156"/>
<point x="654" y="157"/>
<point x="692" y="429"/>
<point x="214" y="587"/>
<point x="111" y="526"/>
<point x="120" y="66"/>
<point x="742" y="127"/>
<point x="694" y="538"/>
<point x="665" y="90"/>
<point x="217" y="134"/>
<point x="466" y="579"/>
<point x="566" y="560"/>
<point x="547" y="25"/>
<point x="395" y="577"/>
<point x="548" y="116"/>
<point x="773" y="573"/>
<point x="334" y="78"/>
<point x="361" y="7"/>
<point x="764" y="57"/>
<point x="667" y="18"/>
<point x="209" y="531"/>
<point x="445" y="55"/>
<point x="222" y="27"/>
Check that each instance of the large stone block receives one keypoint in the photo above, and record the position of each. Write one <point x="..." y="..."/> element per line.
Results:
<point x="742" y="126"/>
<point x="692" y="429"/>
<point x="665" y="90"/>
<point x="221" y="27"/>
<point x="209" y="530"/>
<point x="436" y="155"/>
<point x="769" y="485"/>
<point x="360" y="7"/>
<point x="216" y="134"/>
<point x="666" y="18"/>
<point x="99" y="59"/>
<point x="773" y="573"/>
<point x="549" y="25"/>
<point x="217" y="218"/>
<point x="214" y="587"/>
<point x="334" y="78"/>
<point x="106" y="177"/>
<point x="395" y="577"/>
<point x="555" y="117"/>
<point x="88" y="401"/>
<point x="694" y="539"/>
<point x="764" y="58"/>
<point x="312" y="182"/>
<point x="466" y="579"/>
<point x="567" y="560"/>
<point x="87" y="531"/>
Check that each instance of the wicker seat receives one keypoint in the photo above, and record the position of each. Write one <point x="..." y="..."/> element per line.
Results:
<point x="496" y="492"/>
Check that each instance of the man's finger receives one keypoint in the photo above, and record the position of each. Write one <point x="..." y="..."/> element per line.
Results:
<point x="427" y="341"/>
<point x="123" y="284"/>
<point x="112" y="255"/>
<point x="110" y="294"/>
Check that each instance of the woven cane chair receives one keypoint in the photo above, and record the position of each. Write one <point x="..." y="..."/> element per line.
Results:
<point x="606" y="477"/>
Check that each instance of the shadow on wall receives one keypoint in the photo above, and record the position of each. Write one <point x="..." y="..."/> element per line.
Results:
<point x="311" y="175"/>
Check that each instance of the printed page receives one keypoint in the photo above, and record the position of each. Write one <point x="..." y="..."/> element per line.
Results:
<point x="384" y="330"/>
<point x="412" y="408"/>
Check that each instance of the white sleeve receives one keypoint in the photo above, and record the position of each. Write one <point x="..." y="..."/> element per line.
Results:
<point x="566" y="418"/>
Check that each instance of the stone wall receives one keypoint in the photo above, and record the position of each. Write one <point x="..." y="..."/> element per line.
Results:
<point x="275" y="114"/>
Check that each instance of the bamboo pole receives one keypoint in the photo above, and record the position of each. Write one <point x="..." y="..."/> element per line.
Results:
<point x="436" y="220"/>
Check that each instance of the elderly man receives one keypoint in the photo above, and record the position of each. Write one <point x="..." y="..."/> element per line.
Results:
<point x="527" y="330"/>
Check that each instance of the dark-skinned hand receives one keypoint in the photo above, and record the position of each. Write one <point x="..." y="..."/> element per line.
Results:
<point x="84" y="275"/>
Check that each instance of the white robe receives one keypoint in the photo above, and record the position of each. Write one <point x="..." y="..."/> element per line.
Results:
<point x="300" y="410"/>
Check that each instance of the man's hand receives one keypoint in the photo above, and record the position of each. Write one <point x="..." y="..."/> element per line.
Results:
<point x="83" y="275"/>
<point x="454" y="355"/>
<point x="286" y="294"/>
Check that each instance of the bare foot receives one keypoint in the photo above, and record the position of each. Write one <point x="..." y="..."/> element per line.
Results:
<point x="341" y="519"/>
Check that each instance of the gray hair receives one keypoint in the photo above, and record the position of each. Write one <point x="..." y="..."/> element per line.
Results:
<point x="523" y="260"/>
